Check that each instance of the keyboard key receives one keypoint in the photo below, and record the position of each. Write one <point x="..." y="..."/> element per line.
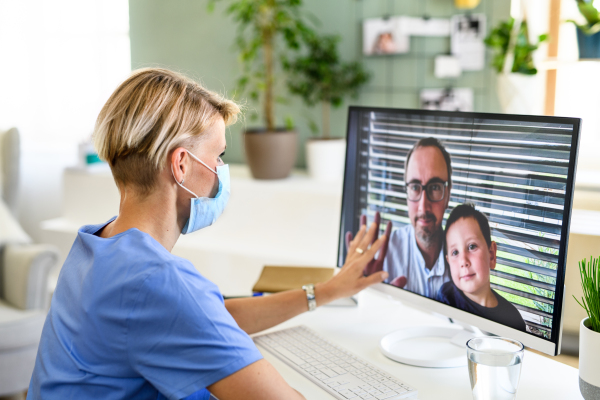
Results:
<point x="329" y="373"/>
<point x="321" y="376"/>
<point x="339" y="370"/>
<point x="385" y="395"/>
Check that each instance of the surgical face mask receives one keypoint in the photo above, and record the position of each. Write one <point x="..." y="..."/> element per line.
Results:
<point x="204" y="211"/>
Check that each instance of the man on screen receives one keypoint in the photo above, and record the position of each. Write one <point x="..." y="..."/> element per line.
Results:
<point x="415" y="259"/>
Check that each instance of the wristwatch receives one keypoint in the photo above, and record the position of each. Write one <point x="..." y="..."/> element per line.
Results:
<point x="310" y="296"/>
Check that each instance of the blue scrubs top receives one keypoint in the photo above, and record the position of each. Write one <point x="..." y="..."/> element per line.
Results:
<point x="129" y="320"/>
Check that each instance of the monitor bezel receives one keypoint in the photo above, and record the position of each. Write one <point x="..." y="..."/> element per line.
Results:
<point x="349" y="195"/>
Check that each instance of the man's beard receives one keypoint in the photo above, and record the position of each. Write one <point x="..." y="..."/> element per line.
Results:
<point x="427" y="236"/>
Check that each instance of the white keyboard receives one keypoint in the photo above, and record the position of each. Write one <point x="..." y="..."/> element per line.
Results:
<point x="331" y="367"/>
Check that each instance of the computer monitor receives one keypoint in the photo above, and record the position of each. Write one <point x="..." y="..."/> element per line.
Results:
<point x="518" y="171"/>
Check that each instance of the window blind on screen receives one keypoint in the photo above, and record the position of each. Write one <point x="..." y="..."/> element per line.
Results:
<point x="515" y="172"/>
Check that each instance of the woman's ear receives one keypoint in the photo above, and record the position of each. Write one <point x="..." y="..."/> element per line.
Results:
<point x="178" y="163"/>
<point x="493" y="249"/>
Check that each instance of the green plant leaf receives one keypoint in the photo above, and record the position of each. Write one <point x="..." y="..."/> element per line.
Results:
<point x="590" y="283"/>
<point x="499" y="41"/>
<point x="312" y="125"/>
<point x="590" y="13"/>
<point x="264" y="26"/>
<point x="289" y="123"/>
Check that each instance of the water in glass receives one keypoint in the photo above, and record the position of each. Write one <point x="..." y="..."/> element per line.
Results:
<point x="494" y="369"/>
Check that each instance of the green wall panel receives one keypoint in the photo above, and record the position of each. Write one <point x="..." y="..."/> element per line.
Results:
<point x="182" y="35"/>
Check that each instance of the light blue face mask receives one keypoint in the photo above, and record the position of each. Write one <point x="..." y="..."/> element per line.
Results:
<point x="204" y="211"/>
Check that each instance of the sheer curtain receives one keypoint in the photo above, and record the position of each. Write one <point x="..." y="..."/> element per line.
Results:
<point x="59" y="62"/>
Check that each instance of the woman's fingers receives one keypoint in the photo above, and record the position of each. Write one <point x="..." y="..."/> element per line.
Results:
<point x="370" y="254"/>
<point x="374" y="278"/>
<point x="355" y="242"/>
<point x="360" y="261"/>
<point x="367" y="238"/>
<point x="348" y="239"/>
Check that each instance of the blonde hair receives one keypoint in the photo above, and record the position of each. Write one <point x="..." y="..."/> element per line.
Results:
<point x="153" y="112"/>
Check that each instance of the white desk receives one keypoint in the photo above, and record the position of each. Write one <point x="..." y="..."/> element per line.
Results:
<point x="359" y="330"/>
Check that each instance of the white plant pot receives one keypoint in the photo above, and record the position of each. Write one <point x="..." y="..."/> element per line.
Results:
<point x="521" y="94"/>
<point x="589" y="361"/>
<point x="325" y="159"/>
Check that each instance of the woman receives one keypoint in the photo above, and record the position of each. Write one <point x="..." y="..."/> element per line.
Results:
<point x="128" y="319"/>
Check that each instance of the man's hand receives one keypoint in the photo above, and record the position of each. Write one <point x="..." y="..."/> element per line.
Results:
<point x="351" y="279"/>
<point x="374" y="265"/>
<point x="399" y="282"/>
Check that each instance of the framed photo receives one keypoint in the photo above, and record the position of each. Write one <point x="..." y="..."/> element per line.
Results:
<point x="383" y="36"/>
<point x="449" y="99"/>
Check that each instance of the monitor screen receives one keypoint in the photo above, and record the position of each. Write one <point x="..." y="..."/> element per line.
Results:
<point x="479" y="206"/>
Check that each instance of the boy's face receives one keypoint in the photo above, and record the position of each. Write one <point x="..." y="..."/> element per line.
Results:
<point x="469" y="257"/>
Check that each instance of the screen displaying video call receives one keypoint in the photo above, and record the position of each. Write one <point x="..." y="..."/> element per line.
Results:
<point x="476" y="204"/>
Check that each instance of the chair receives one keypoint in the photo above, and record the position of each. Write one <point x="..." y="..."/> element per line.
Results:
<point x="24" y="269"/>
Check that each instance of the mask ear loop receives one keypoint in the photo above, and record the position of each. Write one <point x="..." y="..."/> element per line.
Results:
<point x="181" y="184"/>
<point x="202" y="162"/>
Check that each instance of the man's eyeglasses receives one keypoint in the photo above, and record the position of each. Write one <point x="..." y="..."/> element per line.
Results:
<point x="435" y="191"/>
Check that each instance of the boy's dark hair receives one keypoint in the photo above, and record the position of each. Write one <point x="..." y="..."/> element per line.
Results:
<point x="467" y="210"/>
<point x="431" y="142"/>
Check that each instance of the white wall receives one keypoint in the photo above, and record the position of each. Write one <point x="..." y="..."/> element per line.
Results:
<point x="60" y="60"/>
<point x="577" y="87"/>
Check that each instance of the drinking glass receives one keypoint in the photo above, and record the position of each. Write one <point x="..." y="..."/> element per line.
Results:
<point x="494" y="367"/>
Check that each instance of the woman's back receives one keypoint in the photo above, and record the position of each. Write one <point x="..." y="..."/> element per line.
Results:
<point x="128" y="318"/>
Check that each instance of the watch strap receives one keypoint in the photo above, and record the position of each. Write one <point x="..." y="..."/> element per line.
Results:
<point x="310" y="296"/>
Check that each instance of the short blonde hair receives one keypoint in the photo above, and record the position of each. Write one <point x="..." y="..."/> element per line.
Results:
<point x="153" y="112"/>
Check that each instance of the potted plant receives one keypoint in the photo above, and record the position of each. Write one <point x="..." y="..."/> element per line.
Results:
<point x="589" y="330"/>
<point x="267" y="30"/>
<point x="320" y="77"/>
<point x="588" y="35"/>
<point x="518" y="88"/>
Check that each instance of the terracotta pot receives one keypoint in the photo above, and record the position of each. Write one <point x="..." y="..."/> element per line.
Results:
<point x="325" y="158"/>
<point x="589" y="362"/>
<point x="271" y="155"/>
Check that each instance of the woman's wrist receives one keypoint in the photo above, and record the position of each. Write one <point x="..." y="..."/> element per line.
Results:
<point x="324" y="294"/>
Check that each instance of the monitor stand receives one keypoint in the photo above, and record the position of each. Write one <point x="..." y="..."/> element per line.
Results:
<point x="429" y="346"/>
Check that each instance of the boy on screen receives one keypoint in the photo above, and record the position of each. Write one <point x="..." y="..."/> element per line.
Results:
<point x="471" y="254"/>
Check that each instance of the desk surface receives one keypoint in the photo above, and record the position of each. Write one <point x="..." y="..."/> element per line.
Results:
<point x="359" y="330"/>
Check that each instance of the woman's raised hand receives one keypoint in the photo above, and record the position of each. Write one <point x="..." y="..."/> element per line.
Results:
<point x="362" y="249"/>
<point x="376" y="264"/>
